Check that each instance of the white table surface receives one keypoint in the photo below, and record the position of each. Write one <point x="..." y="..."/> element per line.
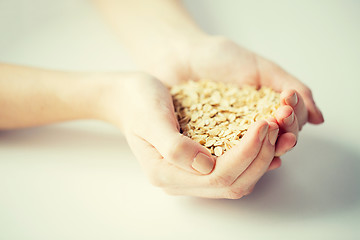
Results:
<point x="79" y="180"/>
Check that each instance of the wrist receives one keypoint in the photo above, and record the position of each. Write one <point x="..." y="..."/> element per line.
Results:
<point x="106" y="99"/>
<point x="169" y="49"/>
<point x="81" y="95"/>
<point x="179" y="54"/>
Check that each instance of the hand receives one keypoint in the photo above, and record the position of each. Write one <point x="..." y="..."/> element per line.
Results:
<point x="220" y="59"/>
<point x="234" y="176"/>
<point x="142" y="107"/>
<point x="172" y="47"/>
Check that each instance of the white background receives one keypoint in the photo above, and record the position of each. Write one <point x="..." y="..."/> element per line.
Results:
<point x="79" y="180"/>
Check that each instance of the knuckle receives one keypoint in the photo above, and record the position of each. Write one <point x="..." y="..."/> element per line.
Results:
<point x="170" y="192"/>
<point x="156" y="182"/>
<point x="234" y="193"/>
<point x="142" y="76"/>
<point x="155" y="179"/>
<point x="178" y="148"/>
<point x="307" y="92"/>
<point x="248" y="192"/>
<point x="258" y="170"/>
<point x="222" y="43"/>
<point x="249" y="154"/>
<point x="221" y="181"/>
<point x="287" y="108"/>
<point x="250" y="151"/>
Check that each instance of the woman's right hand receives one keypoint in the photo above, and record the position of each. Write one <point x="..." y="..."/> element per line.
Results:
<point x="142" y="107"/>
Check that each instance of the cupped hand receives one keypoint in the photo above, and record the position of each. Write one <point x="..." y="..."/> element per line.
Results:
<point x="219" y="59"/>
<point x="142" y="107"/>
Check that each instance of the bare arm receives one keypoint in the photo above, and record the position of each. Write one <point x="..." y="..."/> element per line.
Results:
<point x="167" y="43"/>
<point x="150" y="28"/>
<point x="32" y="97"/>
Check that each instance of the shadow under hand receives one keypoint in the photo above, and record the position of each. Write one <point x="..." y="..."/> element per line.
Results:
<point x="318" y="177"/>
<point x="73" y="141"/>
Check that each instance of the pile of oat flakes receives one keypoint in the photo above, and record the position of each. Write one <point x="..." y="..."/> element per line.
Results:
<point x="217" y="114"/>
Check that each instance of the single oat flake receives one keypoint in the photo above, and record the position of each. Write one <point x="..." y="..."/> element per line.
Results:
<point x="217" y="114"/>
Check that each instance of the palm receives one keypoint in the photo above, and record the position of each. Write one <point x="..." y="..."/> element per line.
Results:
<point x="220" y="59"/>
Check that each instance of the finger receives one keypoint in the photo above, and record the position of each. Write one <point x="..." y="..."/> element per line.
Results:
<point x="230" y="165"/>
<point x="285" y="142"/>
<point x="262" y="162"/>
<point x="223" y="193"/>
<point x="257" y="169"/>
<point x="226" y="193"/>
<point x="183" y="152"/>
<point x="275" y="163"/>
<point x="280" y="80"/>
<point x="186" y="153"/>
<point x="161" y="131"/>
<point x="314" y="114"/>
<point x="251" y="189"/>
<point x="286" y="119"/>
<point x="293" y="99"/>
<point x="160" y="172"/>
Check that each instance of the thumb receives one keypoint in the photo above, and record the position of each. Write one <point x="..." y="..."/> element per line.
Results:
<point x="177" y="149"/>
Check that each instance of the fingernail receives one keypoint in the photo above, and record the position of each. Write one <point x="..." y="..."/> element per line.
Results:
<point x="292" y="100"/>
<point x="203" y="163"/>
<point x="289" y="120"/>
<point x="273" y="136"/>
<point x="262" y="132"/>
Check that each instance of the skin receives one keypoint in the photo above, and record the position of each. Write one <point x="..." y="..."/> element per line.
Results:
<point x="168" y="44"/>
<point x="32" y="97"/>
<point x="172" y="49"/>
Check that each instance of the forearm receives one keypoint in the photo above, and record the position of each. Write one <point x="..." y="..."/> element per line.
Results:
<point x="147" y="27"/>
<point x="32" y="97"/>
